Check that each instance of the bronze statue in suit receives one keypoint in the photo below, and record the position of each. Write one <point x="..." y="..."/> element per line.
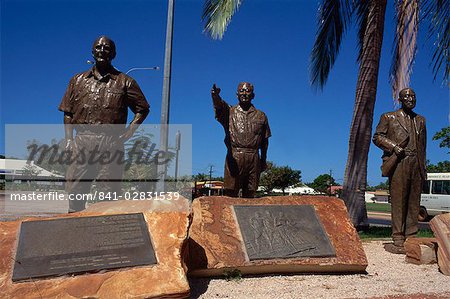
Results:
<point x="402" y="137"/>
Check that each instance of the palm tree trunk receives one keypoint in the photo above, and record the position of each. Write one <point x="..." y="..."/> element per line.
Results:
<point x="355" y="179"/>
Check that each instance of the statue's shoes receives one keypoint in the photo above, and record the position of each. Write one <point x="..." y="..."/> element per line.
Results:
<point x="390" y="247"/>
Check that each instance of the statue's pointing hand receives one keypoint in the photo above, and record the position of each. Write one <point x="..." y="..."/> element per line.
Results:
<point x="215" y="90"/>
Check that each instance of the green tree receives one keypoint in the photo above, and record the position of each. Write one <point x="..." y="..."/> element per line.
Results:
<point x="444" y="136"/>
<point x="141" y="162"/>
<point x="333" y="20"/>
<point x="48" y="156"/>
<point x="31" y="170"/>
<point x="200" y="177"/>
<point x="280" y="177"/>
<point x="380" y="186"/>
<point x="322" y="183"/>
<point x="443" y="166"/>
<point x="139" y="145"/>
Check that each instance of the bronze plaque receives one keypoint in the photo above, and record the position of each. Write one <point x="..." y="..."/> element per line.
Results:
<point x="282" y="231"/>
<point x="82" y="244"/>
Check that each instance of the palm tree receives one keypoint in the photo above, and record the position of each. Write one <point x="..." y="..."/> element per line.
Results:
<point x="371" y="19"/>
<point x="334" y="18"/>
<point x="218" y="14"/>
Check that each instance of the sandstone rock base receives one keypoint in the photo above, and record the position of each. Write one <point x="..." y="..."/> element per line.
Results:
<point x="166" y="279"/>
<point x="421" y="251"/>
<point x="216" y="246"/>
<point x="441" y="228"/>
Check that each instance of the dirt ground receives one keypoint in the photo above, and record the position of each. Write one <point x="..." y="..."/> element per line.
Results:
<point x="388" y="276"/>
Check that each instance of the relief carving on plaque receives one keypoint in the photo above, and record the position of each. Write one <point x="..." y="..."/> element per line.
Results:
<point x="282" y="232"/>
<point x="277" y="234"/>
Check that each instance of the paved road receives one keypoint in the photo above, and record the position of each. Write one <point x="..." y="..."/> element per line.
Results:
<point x="11" y="210"/>
<point x="383" y="219"/>
<point x="14" y="209"/>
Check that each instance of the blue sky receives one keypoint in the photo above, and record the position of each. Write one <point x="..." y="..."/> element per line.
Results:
<point x="44" y="43"/>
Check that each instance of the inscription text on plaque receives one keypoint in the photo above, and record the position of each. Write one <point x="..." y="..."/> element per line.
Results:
<point x="82" y="244"/>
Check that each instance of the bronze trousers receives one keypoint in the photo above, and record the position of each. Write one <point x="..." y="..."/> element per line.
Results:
<point x="405" y="188"/>
<point x="242" y="171"/>
<point x="98" y="159"/>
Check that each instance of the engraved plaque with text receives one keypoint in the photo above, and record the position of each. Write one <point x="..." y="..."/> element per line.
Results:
<point x="82" y="244"/>
<point x="282" y="231"/>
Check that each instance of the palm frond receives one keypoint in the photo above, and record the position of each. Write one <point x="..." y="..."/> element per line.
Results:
<point x="333" y="18"/>
<point x="437" y="12"/>
<point x="218" y="14"/>
<point x="405" y="45"/>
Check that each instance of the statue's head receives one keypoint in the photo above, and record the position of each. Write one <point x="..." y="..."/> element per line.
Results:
<point x="245" y="93"/>
<point x="103" y="50"/>
<point x="407" y="97"/>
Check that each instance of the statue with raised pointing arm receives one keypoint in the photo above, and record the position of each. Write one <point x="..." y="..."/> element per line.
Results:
<point x="247" y="135"/>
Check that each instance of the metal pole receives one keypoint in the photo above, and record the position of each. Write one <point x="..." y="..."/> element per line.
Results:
<point x="331" y="181"/>
<point x="177" y="148"/>
<point x="165" y="105"/>
<point x="156" y="68"/>
<point x="210" y="180"/>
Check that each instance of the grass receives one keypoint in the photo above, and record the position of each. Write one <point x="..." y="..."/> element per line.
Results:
<point x="376" y="232"/>
<point x="378" y="207"/>
<point x="232" y="275"/>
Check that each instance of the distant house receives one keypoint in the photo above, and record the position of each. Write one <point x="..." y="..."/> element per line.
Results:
<point x="377" y="196"/>
<point x="301" y="190"/>
<point x="382" y="195"/>
<point x="208" y="188"/>
<point x="369" y="196"/>
<point x="336" y="190"/>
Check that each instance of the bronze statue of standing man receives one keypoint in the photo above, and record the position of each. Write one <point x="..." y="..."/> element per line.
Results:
<point x="247" y="135"/>
<point x="96" y="105"/>
<point x="402" y="137"/>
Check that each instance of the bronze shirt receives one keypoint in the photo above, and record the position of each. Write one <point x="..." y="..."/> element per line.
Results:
<point x="248" y="128"/>
<point x="243" y="129"/>
<point x="105" y="100"/>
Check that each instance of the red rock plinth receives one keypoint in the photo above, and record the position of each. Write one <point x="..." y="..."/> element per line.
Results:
<point x="168" y="227"/>
<point x="216" y="245"/>
<point x="420" y="250"/>
<point x="441" y="228"/>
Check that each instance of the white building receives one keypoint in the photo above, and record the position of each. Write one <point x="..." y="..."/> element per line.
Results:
<point x="295" y="190"/>
<point x="17" y="171"/>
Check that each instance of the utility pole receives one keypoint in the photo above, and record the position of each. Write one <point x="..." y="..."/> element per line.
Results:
<point x="210" y="179"/>
<point x="177" y="149"/>
<point x="210" y="173"/>
<point x="165" y="105"/>
<point x="331" y="180"/>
